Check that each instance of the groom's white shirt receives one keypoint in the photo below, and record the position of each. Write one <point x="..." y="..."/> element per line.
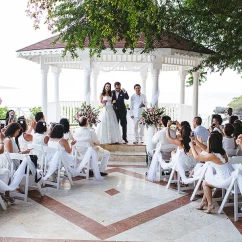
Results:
<point x="87" y="134"/>
<point x="135" y="102"/>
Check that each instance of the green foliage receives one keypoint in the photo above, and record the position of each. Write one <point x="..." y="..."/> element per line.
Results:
<point x="3" y="111"/>
<point x="236" y="104"/>
<point x="213" y="24"/>
<point x="33" y="111"/>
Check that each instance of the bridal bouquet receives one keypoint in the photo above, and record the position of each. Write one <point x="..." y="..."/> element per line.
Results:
<point x="151" y="116"/>
<point x="90" y="112"/>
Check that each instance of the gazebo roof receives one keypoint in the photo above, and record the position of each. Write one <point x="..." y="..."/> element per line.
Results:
<point x="166" y="41"/>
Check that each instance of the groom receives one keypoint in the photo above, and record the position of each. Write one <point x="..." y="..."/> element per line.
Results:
<point x="118" y="96"/>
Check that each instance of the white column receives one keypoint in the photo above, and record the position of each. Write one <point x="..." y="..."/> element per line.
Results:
<point x="87" y="87"/>
<point x="195" y="94"/>
<point x="155" y="96"/>
<point x="56" y="70"/>
<point x="44" y="75"/>
<point x="143" y="74"/>
<point x="95" y="74"/>
<point x="182" y="74"/>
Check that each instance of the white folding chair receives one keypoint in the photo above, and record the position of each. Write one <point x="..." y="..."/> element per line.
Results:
<point x="79" y="150"/>
<point x="233" y="189"/>
<point x="178" y="180"/>
<point x="39" y="151"/>
<point x="235" y="160"/>
<point x="30" y="167"/>
<point x="166" y="149"/>
<point x="60" y="163"/>
<point x="231" y="152"/>
<point x="2" y="203"/>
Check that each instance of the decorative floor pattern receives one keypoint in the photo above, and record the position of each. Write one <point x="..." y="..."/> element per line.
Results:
<point x="133" y="209"/>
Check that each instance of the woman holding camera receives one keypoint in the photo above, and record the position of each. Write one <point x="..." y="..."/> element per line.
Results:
<point x="182" y="157"/>
<point x="219" y="162"/>
<point x="10" y="117"/>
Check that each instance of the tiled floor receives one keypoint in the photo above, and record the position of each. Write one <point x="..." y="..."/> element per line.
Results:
<point x="122" y="207"/>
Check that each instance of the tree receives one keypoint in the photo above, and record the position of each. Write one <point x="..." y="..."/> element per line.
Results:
<point x="236" y="104"/>
<point x="3" y="111"/>
<point x="33" y="111"/>
<point x="215" y="24"/>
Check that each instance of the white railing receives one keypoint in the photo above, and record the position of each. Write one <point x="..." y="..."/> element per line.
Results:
<point x="69" y="108"/>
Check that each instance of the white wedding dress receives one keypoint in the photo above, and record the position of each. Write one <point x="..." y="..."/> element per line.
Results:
<point x="108" y="130"/>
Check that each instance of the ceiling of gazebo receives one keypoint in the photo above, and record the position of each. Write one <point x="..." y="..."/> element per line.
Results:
<point x="171" y="51"/>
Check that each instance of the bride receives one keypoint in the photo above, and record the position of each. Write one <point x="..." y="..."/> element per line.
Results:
<point x="108" y="129"/>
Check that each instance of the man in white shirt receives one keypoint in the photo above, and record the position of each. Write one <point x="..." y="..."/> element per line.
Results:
<point x="160" y="139"/>
<point x="83" y="133"/>
<point x="137" y="102"/>
<point x="200" y="131"/>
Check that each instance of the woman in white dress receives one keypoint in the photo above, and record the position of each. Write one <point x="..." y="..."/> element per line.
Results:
<point x="24" y="139"/>
<point x="39" y="137"/>
<point x="108" y="130"/>
<point x="218" y="163"/>
<point x="67" y="133"/>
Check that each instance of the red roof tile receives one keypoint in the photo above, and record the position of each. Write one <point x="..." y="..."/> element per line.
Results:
<point x="166" y="41"/>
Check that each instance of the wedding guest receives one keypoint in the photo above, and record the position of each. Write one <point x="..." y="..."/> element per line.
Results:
<point x="237" y="129"/>
<point x="83" y="133"/>
<point x="228" y="139"/>
<point x="160" y="139"/>
<point x="199" y="130"/>
<point x="39" y="116"/>
<point x="216" y="124"/>
<point x="108" y="129"/>
<point x="56" y="140"/>
<point x="10" y="117"/>
<point x="24" y="139"/>
<point x="137" y="102"/>
<point x="218" y="162"/>
<point x="118" y="97"/>
<point x="182" y="157"/>
<point x="39" y="137"/>
<point x="67" y="133"/>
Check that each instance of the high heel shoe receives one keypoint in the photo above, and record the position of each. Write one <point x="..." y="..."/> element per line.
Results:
<point x="209" y="209"/>
<point x="202" y="205"/>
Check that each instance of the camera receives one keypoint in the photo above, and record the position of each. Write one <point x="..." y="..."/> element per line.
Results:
<point x="2" y="126"/>
<point x="173" y="122"/>
<point x="192" y="134"/>
<point x="12" y="116"/>
<point x="213" y="125"/>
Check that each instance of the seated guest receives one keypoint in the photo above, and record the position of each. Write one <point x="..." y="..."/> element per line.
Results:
<point x="218" y="162"/>
<point x="39" y="136"/>
<point x="181" y="157"/>
<point x="83" y="133"/>
<point x="39" y="116"/>
<point x="67" y="132"/>
<point x="56" y="140"/>
<point x="232" y="119"/>
<point x="10" y="117"/>
<point x="237" y="129"/>
<point x="216" y="124"/>
<point x="24" y="139"/>
<point x="159" y="137"/>
<point x="199" y="130"/>
<point x="228" y="139"/>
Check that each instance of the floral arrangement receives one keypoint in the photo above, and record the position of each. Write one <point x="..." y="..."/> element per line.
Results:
<point x="151" y="116"/>
<point x="90" y="112"/>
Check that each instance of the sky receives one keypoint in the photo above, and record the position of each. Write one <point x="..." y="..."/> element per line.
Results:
<point x="17" y="32"/>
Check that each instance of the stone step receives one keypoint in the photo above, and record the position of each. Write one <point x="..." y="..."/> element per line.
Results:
<point x="128" y="158"/>
<point x="124" y="147"/>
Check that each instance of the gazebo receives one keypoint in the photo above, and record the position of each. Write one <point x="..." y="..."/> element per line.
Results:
<point x="172" y="53"/>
